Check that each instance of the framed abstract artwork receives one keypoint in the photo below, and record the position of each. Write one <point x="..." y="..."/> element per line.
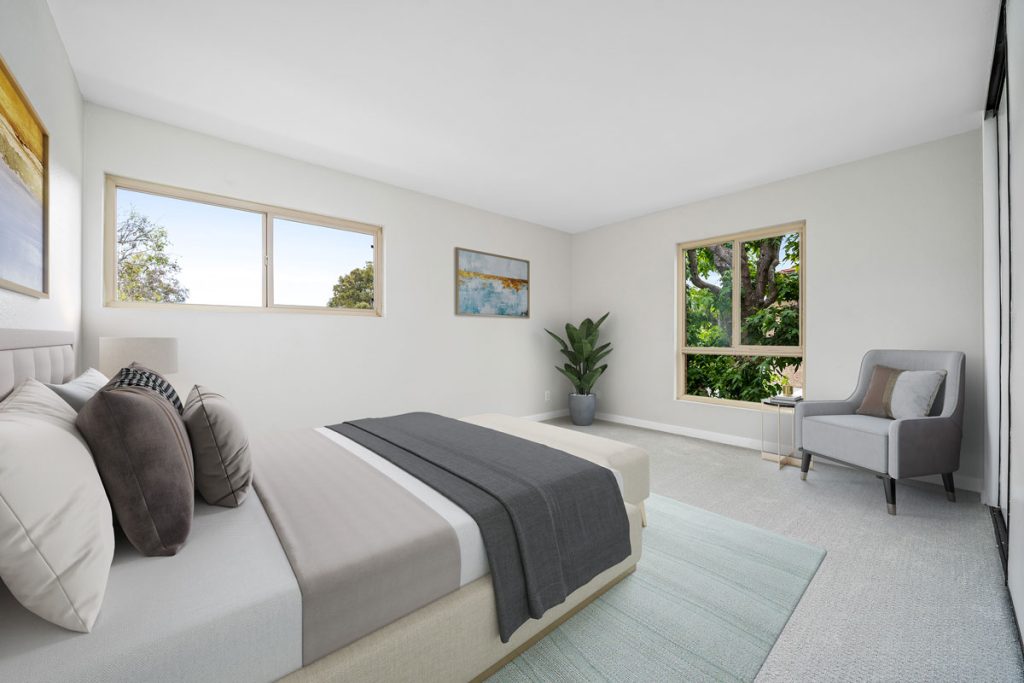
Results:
<point x="24" y="181"/>
<point x="491" y="285"/>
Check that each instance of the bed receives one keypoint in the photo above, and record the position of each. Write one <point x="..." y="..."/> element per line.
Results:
<point x="229" y="606"/>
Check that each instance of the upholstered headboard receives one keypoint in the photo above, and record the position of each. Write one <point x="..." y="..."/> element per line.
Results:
<point x="45" y="355"/>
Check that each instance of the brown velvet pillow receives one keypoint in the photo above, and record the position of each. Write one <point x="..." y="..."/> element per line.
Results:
<point x="220" y="447"/>
<point x="143" y="456"/>
<point x="879" y="394"/>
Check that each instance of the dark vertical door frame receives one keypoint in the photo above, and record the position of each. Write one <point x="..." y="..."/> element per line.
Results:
<point x="997" y="85"/>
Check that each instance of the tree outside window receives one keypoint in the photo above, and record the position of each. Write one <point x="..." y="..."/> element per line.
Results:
<point x="741" y="324"/>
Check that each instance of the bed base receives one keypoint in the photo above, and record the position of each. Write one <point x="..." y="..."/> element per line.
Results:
<point x="551" y="627"/>
<point x="455" y="638"/>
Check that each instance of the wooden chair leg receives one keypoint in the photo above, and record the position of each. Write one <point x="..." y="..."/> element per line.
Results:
<point x="947" y="483"/>
<point x="890" y="493"/>
<point x="643" y="514"/>
<point x="805" y="464"/>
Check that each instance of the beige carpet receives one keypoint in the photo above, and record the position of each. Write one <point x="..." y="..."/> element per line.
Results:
<point x="916" y="597"/>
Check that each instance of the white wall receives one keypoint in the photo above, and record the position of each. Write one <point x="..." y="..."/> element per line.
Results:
<point x="292" y="369"/>
<point x="34" y="53"/>
<point x="892" y="259"/>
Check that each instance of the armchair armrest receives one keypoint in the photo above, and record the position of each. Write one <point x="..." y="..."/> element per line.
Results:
<point x="813" y="408"/>
<point x="924" y="445"/>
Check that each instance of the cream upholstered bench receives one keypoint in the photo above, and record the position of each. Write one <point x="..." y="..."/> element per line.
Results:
<point x="631" y="462"/>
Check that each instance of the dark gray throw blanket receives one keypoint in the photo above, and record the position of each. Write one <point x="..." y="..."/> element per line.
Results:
<point x="550" y="521"/>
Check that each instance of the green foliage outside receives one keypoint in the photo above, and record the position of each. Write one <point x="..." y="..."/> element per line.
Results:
<point x="354" y="290"/>
<point x="583" y="353"/>
<point x="769" y="316"/>
<point x="145" y="271"/>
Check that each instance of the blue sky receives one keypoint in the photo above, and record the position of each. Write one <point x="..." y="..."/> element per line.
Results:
<point x="220" y="251"/>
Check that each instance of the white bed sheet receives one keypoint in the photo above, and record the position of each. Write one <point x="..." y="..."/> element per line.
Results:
<point x="225" y="608"/>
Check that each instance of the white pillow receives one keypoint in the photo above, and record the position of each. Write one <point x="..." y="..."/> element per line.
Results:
<point x="78" y="391"/>
<point x="914" y="393"/>
<point x="56" y="529"/>
<point x="33" y="399"/>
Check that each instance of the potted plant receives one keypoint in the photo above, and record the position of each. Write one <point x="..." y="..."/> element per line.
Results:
<point x="787" y="388"/>
<point x="581" y="349"/>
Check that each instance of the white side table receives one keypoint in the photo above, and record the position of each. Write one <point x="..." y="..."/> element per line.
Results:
<point x="783" y="457"/>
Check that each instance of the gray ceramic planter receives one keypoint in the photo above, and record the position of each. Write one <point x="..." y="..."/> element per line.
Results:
<point x="582" y="408"/>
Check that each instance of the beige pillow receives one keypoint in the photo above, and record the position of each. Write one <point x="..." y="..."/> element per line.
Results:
<point x="56" y="530"/>
<point x="899" y="394"/>
<point x="34" y="399"/>
<point x="220" y="447"/>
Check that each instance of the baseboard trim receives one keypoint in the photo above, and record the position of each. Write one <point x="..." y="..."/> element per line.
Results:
<point x="706" y="435"/>
<point x="540" y="417"/>
<point x="962" y="482"/>
<point x="1002" y="537"/>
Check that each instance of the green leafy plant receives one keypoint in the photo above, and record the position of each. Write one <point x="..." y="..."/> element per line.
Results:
<point x="584" y="354"/>
<point x="146" y="269"/>
<point x="769" y="315"/>
<point x="354" y="290"/>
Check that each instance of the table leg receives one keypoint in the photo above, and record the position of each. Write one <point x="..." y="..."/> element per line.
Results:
<point x="782" y="462"/>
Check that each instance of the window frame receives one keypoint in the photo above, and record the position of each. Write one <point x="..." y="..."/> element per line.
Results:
<point x="735" y="348"/>
<point x="268" y="213"/>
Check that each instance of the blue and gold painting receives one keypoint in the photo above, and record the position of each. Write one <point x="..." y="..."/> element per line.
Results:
<point x="22" y="192"/>
<point x="491" y="285"/>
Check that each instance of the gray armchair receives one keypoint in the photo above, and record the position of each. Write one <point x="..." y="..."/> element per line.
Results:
<point x="892" y="449"/>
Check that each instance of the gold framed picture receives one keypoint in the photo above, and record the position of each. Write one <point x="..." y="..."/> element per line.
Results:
<point x="491" y="285"/>
<point x="24" y="190"/>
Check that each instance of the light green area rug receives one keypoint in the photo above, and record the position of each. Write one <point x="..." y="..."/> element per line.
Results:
<point x="707" y="602"/>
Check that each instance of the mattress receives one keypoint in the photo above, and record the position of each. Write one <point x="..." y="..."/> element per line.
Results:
<point x="225" y="608"/>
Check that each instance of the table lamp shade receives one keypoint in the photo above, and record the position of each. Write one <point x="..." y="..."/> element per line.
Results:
<point x="156" y="353"/>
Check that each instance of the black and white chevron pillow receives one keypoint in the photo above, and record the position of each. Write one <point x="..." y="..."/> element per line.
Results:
<point x="137" y="376"/>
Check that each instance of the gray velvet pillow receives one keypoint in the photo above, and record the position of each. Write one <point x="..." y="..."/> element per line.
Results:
<point x="143" y="456"/>
<point x="220" y="448"/>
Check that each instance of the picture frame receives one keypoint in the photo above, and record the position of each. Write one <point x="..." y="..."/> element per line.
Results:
<point x="24" y="192"/>
<point x="491" y="285"/>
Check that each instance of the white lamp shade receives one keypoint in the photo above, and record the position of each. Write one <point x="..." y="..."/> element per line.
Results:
<point x="156" y="353"/>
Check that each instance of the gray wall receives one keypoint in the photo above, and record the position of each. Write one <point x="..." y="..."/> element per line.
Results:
<point x="893" y="259"/>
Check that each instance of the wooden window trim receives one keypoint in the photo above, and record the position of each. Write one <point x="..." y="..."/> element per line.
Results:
<point x="735" y="349"/>
<point x="268" y="213"/>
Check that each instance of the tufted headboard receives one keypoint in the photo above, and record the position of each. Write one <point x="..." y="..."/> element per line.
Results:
<point x="45" y="355"/>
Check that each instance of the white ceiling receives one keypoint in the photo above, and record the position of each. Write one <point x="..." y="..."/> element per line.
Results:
<point x="568" y="113"/>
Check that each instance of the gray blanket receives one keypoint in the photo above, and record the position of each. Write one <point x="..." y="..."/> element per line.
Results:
<point x="550" y="521"/>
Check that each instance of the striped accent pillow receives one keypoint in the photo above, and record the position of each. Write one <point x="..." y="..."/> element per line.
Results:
<point x="137" y="376"/>
<point x="899" y="394"/>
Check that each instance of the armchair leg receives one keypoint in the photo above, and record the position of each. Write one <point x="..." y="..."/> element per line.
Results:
<point x="805" y="464"/>
<point x="890" y="493"/>
<point x="947" y="483"/>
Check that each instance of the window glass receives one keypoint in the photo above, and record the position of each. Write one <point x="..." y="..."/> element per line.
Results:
<point x="708" y="295"/>
<point x="316" y="265"/>
<point x="770" y="291"/>
<point x="171" y="250"/>
<point x="742" y="378"/>
<point x="741" y="318"/>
